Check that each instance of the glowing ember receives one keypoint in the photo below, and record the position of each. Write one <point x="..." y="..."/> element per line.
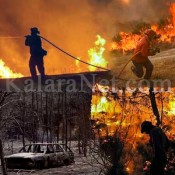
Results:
<point x="6" y="72"/>
<point x="96" y="54"/>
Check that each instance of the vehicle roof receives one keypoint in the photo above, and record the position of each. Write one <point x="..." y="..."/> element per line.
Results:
<point x="44" y="144"/>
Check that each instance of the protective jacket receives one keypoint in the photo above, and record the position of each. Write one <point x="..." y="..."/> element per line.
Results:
<point x="142" y="50"/>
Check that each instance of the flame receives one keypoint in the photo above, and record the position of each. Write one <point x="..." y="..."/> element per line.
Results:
<point x="96" y="54"/>
<point x="172" y="106"/>
<point x="105" y="109"/>
<point x="6" y="72"/>
<point x="128" y="41"/>
<point x="102" y="102"/>
<point x="113" y="116"/>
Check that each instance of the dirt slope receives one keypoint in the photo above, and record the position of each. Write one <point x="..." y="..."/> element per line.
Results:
<point x="164" y="67"/>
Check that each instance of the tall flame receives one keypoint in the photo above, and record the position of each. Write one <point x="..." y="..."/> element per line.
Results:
<point x="6" y="72"/>
<point x="96" y="54"/>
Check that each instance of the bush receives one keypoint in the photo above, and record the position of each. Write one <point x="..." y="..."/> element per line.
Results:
<point x="112" y="149"/>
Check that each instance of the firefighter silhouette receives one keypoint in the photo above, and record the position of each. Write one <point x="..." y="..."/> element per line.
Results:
<point x="37" y="53"/>
<point x="160" y="145"/>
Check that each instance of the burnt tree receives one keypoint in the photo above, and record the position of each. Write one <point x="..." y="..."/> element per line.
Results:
<point x="154" y="105"/>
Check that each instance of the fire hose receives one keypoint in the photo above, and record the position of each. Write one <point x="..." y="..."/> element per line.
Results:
<point x="68" y="54"/>
<point x="123" y="68"/>
<point x="127" y="64"/>
<point x="72" y="55"/>
<point x="118" y="77"/>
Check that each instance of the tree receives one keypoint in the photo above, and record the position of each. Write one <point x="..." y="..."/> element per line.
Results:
<point x="154" y="105"/>
<point x="2" y="99"/>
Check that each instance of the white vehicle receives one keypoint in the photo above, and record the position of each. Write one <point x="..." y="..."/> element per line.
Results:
<point x="40" y="155"/>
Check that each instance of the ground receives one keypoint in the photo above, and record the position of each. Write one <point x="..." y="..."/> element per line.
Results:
<point x="164" y="67"/>
<point x="82" y="166"/>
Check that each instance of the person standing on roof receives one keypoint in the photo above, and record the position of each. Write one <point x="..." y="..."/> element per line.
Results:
<point x="142" y="51"/>
<point x="160" y="144"/>
<point x="37" y="53"/>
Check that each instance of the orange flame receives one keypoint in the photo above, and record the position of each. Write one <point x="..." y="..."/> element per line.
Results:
<point x="6" y="72"/>
<point x="128" y="42"/>
<point x="96" y="54"/>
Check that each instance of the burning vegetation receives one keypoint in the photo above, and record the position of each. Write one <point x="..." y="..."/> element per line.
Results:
<point x="112" y="108"/>
<point x="126" y="42"/>
<point x="120" y="114"/>
<point x="6" y="72"/>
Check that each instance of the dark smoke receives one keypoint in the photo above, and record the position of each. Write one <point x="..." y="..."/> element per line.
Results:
<point x="72" y="24"/>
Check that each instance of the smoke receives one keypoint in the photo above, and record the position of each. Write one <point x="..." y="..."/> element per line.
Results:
<point x="71" y="24"/>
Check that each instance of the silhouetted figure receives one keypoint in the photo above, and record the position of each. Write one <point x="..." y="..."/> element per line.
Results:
<point x="160" y="145"/>
<point x="143" y="50"/>
<point x="37" y="53"/>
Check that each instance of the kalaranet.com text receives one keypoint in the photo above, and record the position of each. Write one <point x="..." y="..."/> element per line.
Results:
<point x="71" y="85"/>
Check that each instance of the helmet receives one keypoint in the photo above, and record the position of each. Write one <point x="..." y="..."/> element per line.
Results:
<point x="151" y="33"/>
<point x="145" y="126"/>
<point x="35" y="30"/>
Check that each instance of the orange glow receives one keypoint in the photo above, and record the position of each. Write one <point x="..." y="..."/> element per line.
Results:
<point x="6" y="72"/>
<point x="78" y="64"/>
<point x="126" y="1"/>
